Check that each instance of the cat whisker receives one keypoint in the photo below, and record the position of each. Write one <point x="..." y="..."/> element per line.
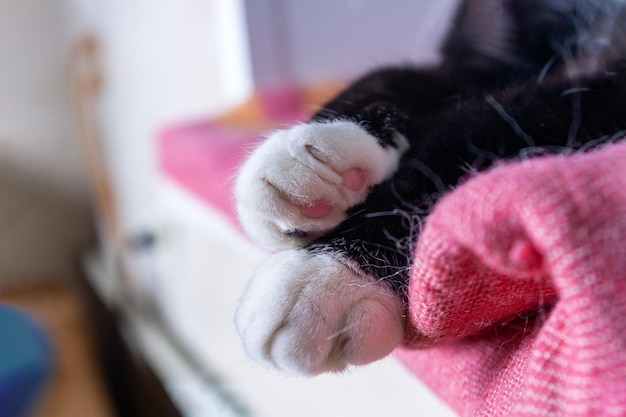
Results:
<point x="545" y="69"/>
<point x="574" y="90"/>
<point x="510" y="120"/>
<point x="576" y="116"/>
<point x="342" y="331"/>
<point x="431" y="175"/>
<point x="399" y="198"/>
<point x="383" y="213"/>
<point x="401" y="270"/>
<point x="602" y="140"/>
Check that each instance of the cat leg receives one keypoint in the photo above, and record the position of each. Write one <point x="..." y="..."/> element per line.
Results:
<point x="313" y="312"/>
<point x="299" y="183"/>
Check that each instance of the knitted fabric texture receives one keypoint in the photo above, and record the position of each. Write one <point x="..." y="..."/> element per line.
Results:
<point x="517" y="303"/>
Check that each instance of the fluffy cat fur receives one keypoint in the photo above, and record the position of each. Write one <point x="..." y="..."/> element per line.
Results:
<point x="344" y="195"/>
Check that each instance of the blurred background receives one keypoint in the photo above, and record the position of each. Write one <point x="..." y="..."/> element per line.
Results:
<point x="121" y="125"/>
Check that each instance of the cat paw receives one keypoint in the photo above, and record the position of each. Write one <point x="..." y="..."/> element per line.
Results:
<point x="309" y="313"/>
<point x="300" y="182"/>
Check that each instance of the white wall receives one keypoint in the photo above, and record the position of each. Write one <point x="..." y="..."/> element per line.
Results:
<point x="164" y="62"/>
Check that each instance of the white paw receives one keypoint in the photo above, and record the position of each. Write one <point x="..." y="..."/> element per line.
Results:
<point x="299" y="183"/>
<point x="309" y="313"/>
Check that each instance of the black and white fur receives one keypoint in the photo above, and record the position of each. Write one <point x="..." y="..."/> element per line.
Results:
<point x="344" y="195"/>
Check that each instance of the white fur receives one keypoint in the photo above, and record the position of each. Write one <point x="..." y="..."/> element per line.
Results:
<point x="304" y="164"/>
<point x="309" y="313"/>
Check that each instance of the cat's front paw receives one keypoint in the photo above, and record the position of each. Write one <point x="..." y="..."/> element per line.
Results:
<point x="309" y="313"/>
<point x="300" y="182"/>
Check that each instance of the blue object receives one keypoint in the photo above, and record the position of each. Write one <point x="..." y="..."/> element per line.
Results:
<point x="25" y="362"/>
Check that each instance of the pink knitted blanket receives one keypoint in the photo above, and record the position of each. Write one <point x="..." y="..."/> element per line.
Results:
<point x="519" y="290"/>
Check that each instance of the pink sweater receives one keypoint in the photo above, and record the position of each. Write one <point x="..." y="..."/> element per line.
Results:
<point x="518" y="293"/>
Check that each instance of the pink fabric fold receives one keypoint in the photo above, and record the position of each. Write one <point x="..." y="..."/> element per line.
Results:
<point x="517" y="302"/>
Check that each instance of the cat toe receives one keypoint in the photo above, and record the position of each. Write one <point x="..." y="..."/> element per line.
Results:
<point x="300" y="182"/>
<point x="309" y="313"/>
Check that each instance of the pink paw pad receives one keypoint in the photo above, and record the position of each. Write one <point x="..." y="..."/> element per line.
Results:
<point x="316" y="209"/>
<point x="354" y="178"/>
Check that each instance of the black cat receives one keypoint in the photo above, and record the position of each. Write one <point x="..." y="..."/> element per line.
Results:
<point x="345" y="194"/>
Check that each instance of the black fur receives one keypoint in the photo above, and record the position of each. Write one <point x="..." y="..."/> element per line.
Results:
<point x="468" y="113"/>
